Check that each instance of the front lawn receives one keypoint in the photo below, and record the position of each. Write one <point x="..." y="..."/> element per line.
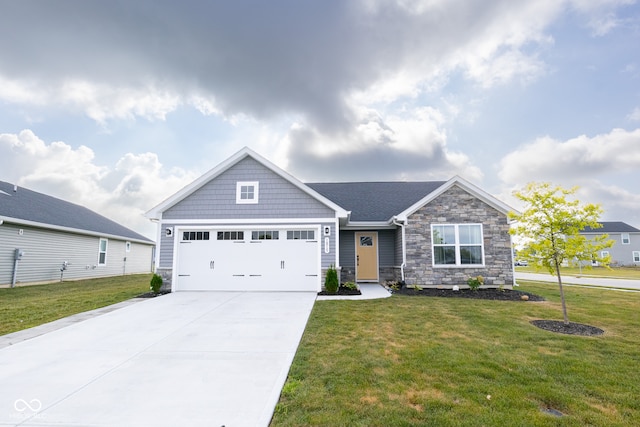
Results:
<point x="27" y="306"/>
<point x="406" y="361"/>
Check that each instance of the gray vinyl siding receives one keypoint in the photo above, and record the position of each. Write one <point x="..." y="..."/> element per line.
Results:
<point x="621" y="254"/>
<point x="46" y="250"/>
<point x="278" y="198"/>
<point x="347" y="249"/>
<point x="398" y="246"/>
<point x="387" y="248"/>
<point x="328" y="259"/>
<point x="165" y="255"/>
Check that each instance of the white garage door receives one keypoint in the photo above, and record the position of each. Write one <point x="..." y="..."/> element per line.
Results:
<point x="256" y="259"/>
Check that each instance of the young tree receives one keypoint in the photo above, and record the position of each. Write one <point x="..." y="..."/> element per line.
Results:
<point x="550" y="226"/>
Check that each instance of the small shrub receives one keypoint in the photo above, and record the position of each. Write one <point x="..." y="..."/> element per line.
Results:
<point x="415" y="287"/>
<point x="331" y="282"/>
<point x="351" y="286"/>
<point x="475" y="282"/>
<point x="156" y="283"/>
<point x="394" y="285"/>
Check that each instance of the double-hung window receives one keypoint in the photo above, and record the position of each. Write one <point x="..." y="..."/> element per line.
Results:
<point x="636" y="256"/>
<point x="625" y="238"/>
<point x="457" y="244"/>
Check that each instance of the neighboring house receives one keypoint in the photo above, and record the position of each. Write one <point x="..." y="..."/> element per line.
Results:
<point x="626" y="248"/>
<point x="249" y="225"/>
<point x="49" y="232"/>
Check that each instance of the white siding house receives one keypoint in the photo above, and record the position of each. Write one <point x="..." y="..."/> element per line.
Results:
<point x="626" y="248"/>
<point x="58" y="239"/>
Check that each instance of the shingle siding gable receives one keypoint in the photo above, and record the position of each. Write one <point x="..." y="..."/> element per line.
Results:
<point x="278" y="198"/>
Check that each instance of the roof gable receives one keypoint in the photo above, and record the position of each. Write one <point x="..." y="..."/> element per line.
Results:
<point x="465" y="185"/>
<point x="612" y="227"/>
<point x="29" y="207"/>
<point x="156" y="212"/>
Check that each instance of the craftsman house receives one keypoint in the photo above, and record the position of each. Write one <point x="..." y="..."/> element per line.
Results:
<point x="249" y="225"/>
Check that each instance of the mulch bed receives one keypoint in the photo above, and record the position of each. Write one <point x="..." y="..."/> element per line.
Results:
<point x="342" y="291"/>
<point x="559" y="326"/>
<point x="490" y="294"/>
<point x="153" y="294"/>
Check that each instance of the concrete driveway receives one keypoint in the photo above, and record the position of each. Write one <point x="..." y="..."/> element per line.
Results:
<point x="191" y="358"/>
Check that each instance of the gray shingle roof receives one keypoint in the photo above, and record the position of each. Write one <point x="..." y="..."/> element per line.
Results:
<point x="375" y="201"/>
<point x="613" y="227"/>
<point x="28" y="205"/>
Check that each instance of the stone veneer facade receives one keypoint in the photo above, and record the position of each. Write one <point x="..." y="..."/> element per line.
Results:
<point x="456" y="206"/>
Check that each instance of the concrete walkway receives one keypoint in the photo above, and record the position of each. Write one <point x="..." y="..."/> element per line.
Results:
<point x="368" y="291"/>
<point x="189" y="358"/>
<point x="583" y="281"/>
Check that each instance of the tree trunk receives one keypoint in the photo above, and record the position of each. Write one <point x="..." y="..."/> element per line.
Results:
<point x="564" y="305"/>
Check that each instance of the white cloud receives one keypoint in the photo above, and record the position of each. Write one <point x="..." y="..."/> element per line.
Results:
<point x="548" y="159"/>
<point x="605" y="167"/>
<point x="409" y="145"/>
<point x="375" y="51"/>
<point x="99" y="101"/>
<point x="122" y="193"/>
<point x="600" y="14"/>
<point x="634" y="115"/>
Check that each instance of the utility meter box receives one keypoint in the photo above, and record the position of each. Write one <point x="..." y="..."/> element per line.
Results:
<point x="18" y="254"/>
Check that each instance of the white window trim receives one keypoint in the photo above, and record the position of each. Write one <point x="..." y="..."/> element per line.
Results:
<point x="634" y="255"/>
<point x="106" y="250"/>
<point x="628" y="239"/>
<point x="457" y="245"/>
<point x="239" y="185"/>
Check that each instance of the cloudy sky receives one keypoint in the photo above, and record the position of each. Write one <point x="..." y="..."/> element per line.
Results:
<point x="117" y="104"/>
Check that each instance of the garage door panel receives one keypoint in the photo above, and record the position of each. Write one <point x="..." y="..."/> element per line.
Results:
<point x="249" y="265"/>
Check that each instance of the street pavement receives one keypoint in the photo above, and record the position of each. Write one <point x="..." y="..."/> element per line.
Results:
<point x="583" y="281"/>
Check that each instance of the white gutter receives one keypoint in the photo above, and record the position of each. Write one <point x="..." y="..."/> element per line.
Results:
<point x="394" y="220"/>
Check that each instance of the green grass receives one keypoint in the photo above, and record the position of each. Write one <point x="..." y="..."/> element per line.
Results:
<point x="407" y="361"/>
<point x="28" y="306"/>
<point x="617" y="272"/>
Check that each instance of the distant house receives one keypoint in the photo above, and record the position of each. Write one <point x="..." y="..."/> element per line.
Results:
<point x="626" y="249"/>
<point x="249" y="225"/>
<point x="43" y="238"/>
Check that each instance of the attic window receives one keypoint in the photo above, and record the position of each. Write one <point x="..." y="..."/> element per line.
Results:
<point x="246" y="192"/>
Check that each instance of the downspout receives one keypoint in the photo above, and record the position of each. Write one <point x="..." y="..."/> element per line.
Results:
<point x="404" y="250"/>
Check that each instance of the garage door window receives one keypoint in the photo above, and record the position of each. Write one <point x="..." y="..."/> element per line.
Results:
<point x="195" y="235"/>
<point x="230" y="235"/>
<point x="265" y="235"/>
<point x="300" y="235"/>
